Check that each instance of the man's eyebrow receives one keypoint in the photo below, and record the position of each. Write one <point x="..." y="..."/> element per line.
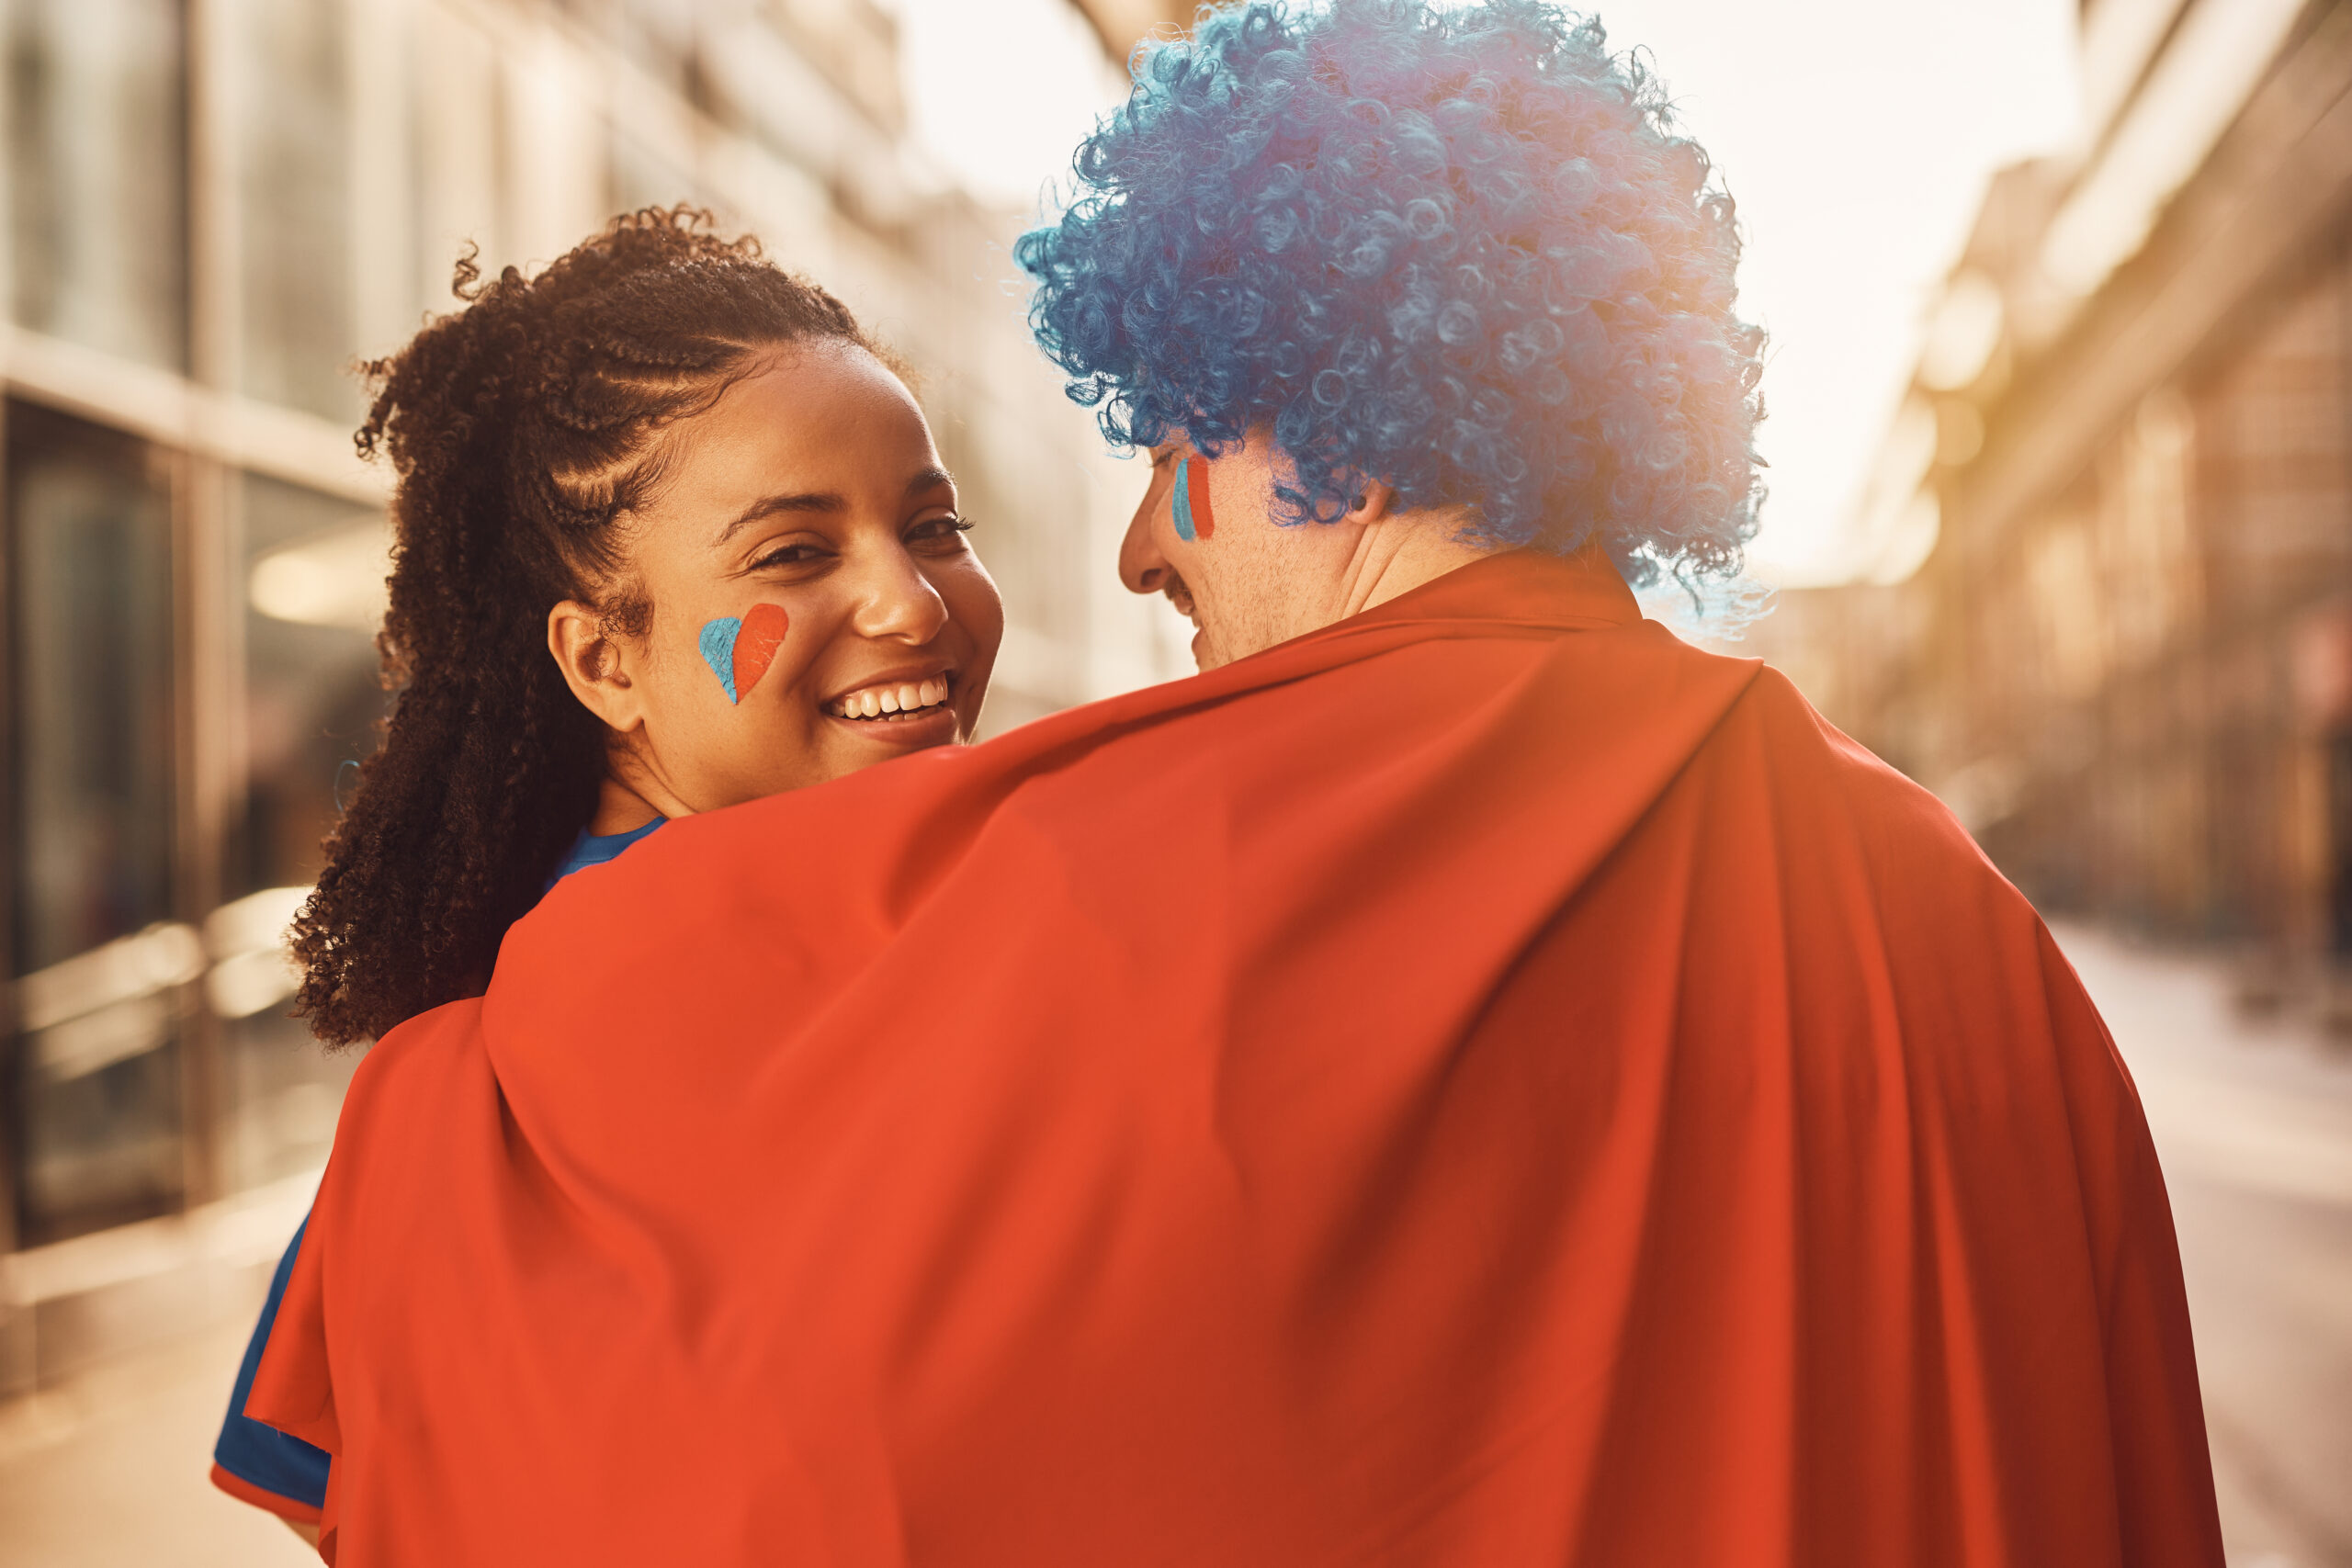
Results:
<point x="768" y="506"/>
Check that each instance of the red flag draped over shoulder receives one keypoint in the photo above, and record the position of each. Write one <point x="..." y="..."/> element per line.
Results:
<point x="1485" y="1083"/>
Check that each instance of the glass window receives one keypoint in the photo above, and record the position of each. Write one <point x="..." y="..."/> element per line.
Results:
<point x="101" y="970"/>
<point x="313" y="583"/>
<point x="97" y="173"/>
<point x="288" y="92"/>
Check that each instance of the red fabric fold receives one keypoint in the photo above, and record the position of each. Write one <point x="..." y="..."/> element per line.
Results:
<point x="244" y="1491"/>
<point x="1486" y="1083"/>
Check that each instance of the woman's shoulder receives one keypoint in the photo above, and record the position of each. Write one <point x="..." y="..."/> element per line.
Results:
<point x="424" y="1059"/>
<point x="595" y="849"/>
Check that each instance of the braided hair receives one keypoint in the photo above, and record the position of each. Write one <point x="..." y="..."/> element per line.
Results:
<point x="523" y="429"/>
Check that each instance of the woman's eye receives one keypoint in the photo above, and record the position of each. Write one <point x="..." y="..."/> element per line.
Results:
<point x="937" y="530"/>
<point x="789" y="555"/>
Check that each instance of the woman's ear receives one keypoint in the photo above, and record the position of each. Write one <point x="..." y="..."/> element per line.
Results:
<point x="595" y="664"/>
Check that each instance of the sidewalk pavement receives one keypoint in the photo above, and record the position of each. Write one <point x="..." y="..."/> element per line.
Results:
<point x="108" y="1469"/>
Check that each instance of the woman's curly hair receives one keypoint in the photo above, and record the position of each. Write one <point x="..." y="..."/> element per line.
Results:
<point x="524" y="432"/>
<point x="1458" y="249"/>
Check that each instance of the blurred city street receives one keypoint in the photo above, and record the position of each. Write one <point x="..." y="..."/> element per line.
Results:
<point x="2059" y="301"/>
<point x="2253" y="1117"/>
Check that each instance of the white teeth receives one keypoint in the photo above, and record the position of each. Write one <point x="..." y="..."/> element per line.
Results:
<point x="875" y="701"/>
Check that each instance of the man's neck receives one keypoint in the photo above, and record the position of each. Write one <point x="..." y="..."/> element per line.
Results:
<point x="1399" y="554"/>
<point x="1275" y="581"/>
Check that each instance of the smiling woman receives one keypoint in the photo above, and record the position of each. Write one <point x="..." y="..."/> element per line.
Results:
<point x="808" y="576"/>
<point x="658" y="433"/>
<point x="671" y="535"/>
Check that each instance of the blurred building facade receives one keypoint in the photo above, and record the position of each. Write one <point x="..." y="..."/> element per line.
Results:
<point x="2111" y="526"/>
<point x="212" y="209"/>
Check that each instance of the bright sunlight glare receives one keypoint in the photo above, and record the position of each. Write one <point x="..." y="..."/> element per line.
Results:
<point x="1857" y="136"/>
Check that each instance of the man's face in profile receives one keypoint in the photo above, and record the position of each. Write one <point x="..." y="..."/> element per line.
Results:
<point x="1246" y="582"/>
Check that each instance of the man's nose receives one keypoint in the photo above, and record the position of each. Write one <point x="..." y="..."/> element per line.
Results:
<point x="1141" y="566"/>
<point x="896" y="601"/>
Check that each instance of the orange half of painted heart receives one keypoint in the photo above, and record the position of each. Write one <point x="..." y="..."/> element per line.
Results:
<point x="756" y="645"/>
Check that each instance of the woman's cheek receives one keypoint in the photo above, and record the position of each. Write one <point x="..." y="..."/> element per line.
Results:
<point x="739" y="651"/>
<point x="973" y="600"/>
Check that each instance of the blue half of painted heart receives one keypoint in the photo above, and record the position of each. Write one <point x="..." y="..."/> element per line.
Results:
<point x="718" y="651"/>
<point x="1185" y="528"/>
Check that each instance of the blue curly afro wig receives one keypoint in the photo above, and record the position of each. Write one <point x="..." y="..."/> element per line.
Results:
<point x="1457" y="248"/>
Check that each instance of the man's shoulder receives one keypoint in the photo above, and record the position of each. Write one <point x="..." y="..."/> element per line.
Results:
<point x="1849" y="830"/>
<point x="1811" y="758"/>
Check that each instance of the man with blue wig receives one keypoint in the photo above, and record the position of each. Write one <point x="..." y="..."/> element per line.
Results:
<point x="1467" y="1079"/>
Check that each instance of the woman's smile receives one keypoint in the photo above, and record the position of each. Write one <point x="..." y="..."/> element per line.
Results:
<point x="900" y="709"/>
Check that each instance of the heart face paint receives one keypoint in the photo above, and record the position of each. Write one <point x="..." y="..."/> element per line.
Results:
<point x="738" y="651"/>
<point x="1194" y="519"/>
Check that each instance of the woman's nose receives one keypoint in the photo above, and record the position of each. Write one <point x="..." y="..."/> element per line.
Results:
<point x="1141" y="566"/>
<point x="896" y="602"/>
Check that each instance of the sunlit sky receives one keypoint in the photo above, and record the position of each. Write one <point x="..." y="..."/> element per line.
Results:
<point x="1857" y="136"/>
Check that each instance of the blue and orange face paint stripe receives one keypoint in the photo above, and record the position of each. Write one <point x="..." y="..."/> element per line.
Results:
<point x="740" y="649"/>
<point x="1193" y="518"/>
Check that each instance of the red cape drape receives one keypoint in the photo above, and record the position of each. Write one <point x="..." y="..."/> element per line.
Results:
<point x="1483" y="1084"/>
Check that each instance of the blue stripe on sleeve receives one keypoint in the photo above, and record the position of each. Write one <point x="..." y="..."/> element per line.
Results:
<point x="264" y="1456"/>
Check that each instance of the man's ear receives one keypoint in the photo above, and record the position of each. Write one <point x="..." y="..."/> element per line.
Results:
<point x="595" y="664"/>
<point x="1372" y="502"/>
